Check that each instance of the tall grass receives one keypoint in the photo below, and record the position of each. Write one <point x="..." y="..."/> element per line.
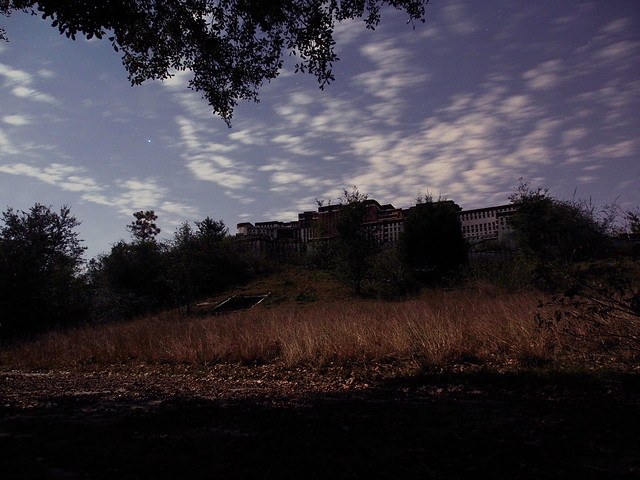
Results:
<point x="439" y="328"/>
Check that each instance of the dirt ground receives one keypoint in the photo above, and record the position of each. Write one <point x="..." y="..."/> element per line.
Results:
<point x="268" y="422"/>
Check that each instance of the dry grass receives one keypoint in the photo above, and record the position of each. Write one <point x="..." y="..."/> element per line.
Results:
<point x="438" y="328"/>
<point x="483" y="326"/>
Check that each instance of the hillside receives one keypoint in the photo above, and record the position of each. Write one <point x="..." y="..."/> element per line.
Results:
<point x="313" y="383"/>
<point x="291" y="285"/>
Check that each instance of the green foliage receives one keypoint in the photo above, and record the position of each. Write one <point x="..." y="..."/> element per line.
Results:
<point x="132" y="279"/>
<point x="232" y="47"/>
<point x="506" y="270"/>
<point x="557" y="230"/>
<point x="40" y="259"/>
<point x="145" y="275"/>
<point x="390" y="278"/>
<point x="432" y="239"/>
<point x="201" y="262"/>
<point x="322" y="255"/>
<point x="306" y="297"/>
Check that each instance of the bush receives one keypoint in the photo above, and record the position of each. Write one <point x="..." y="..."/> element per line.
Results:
<point x="558" y="230"/>
<point x="390" y="278"/>
<point x="508" y="271"/>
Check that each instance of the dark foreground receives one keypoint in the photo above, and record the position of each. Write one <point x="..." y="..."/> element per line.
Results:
<point x="273" y="425"/>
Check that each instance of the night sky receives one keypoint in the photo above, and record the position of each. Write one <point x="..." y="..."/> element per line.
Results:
<point x="480" y="95"/>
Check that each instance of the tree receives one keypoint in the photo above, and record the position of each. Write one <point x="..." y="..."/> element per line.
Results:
<point x="199" y="263"/>
<point x="356" y="243"/>
<point x="557" y="230"/>
<point x="211" y="232"/>
<point x="633" y="220"/>
<point x="133" y="278"/>
<point x="432" y="240"/>
<point x="232" y="46"/>
<point x="143" y="228"/>
<point x="40" y="261"/>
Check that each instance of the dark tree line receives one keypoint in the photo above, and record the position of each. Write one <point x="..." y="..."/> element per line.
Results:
<point x="430" y="248"/>
<point x="559" y="230"/>
<point x="40" y="262"/>
<point x="45" y="283"/>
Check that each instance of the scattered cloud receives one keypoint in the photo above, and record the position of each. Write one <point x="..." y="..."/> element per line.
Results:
<point x="64" y="176"/>
<point x="458" y="19"/>
<point x="210" y="172"/>
<point x="545" y="76"/>
<point x="179" y="210"/>
<point x="6" y="145"/>
<point x="14" y="76"/>
<point x="20" y="83"/>
<point x="31" y="94"/>
<point x="16" y="120"/>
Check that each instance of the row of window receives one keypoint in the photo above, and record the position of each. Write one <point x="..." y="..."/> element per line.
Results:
<point x="479" y="227"/>
<point x="483" y="214"/>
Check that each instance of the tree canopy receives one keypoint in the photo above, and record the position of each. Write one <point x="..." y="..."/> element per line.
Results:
<point x="558" y="230"/>
<point x="144" y="228"/>
<point x="356" y="243"/>
<point x="40" y="257"/>
<point x="432" y="239"/>
<point x="232" y="46"/>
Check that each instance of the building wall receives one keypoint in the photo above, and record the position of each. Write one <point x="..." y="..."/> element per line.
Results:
<point x="486" y="223"/>
<point x="385" y="221"/>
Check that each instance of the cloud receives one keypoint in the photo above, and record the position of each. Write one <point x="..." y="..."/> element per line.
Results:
<point x="573" y="135"/>
<point x="624" y="148"/>
<point x="209" y="160"/>
<point x="6" y="145"/>
<point x="20" y="83"/>
<point x="143" y="194"/>
<point x="31" y="94"/>
<point x="16" y="120"/>
<point x="14" y="76"/>
<point x="179" y="209"/>
<point x="46" y="73"/>
<point x="208" y="171"/>
<point x="393" y="73"/>
<point x="247" y="136"/>
<point x="80" y="184"/>
<point x="179" y="80"/>
<point x="63" y="176"/>
<point x="459" y="21"/>
<point x="545" y="76"/>
<point x="347" y="32"/>
<point x="296" y="144"/>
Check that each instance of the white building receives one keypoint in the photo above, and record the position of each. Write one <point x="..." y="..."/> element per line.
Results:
<point x="491" y="223"/>
<point x="385" y="221"/>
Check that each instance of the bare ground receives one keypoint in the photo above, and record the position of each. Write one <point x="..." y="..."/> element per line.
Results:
<point x="268" y="421"/>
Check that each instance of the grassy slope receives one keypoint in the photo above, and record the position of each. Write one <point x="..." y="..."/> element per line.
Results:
<point x="310" y="320"/>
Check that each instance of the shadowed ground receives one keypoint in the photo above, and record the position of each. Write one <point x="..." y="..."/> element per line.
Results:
<point x="213" y="424"/>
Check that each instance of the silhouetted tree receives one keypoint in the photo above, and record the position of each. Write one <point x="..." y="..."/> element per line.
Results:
<point x="143" y="228"/>
<point x="232" y="47"/>
<point x="633" y="220"/>
<point x="200" y="263"/>
<point x="355" y="242"/>
<point x="432" y="240"/>
<point x="133" y="278"/>
<point x="557" y="230"/>
<point x="40" y="261"/>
